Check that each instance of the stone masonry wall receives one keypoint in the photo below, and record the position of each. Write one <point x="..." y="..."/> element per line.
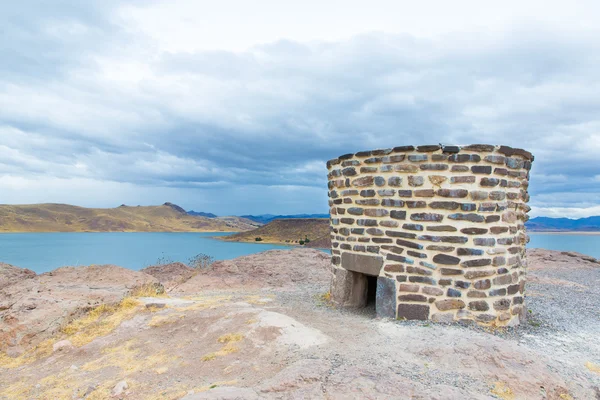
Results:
<point x="441" y="227"/>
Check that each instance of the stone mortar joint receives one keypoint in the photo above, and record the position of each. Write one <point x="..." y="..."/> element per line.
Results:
<point x="431" y="232"/>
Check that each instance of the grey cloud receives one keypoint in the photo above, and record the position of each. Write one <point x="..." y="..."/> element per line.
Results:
<point x="107" y="105"/>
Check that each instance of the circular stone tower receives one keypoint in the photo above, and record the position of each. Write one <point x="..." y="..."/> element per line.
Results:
<point x="431" y="232"/>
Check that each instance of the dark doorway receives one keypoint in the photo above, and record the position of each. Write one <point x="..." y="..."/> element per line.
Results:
<point x="371" y="290"/>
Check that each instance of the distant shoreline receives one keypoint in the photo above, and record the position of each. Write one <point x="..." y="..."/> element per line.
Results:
<point x="210" y="231"/>
<point x="586" y="233"/>
<point x="593" y="233"/>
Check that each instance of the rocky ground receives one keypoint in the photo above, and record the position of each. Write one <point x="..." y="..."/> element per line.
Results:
<point x="261" y="327"/>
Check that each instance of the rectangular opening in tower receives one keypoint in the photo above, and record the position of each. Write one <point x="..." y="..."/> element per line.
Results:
<point x="371" y="291"/>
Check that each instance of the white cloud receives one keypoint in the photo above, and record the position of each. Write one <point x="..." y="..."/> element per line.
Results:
<point x="565" y="212"/>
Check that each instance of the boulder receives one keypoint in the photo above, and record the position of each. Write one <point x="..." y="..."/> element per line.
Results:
<point x="119" y="389"/>
<point x="63" y="345"/>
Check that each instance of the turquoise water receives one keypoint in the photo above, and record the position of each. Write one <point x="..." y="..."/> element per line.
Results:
<point x="585" y="244"/>
<point x="42" y="252"/>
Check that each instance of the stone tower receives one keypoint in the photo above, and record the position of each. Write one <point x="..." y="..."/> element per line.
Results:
<point x="431" y="232"/>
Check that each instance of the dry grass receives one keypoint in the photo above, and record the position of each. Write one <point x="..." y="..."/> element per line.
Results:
<point x="100" y="321"/>
<point x="324" y="299"/>
<point x="593" y="367"/>
<point x="160" y="320"/>
<point x="42" y="350"/>
<point x="67" y="384"/>
<point x="149" y="290"/>
<point x="129" y="358"/>
<point x="103" y="391"/>
<point x="16" y="391"/>
<point x="229" y="340"/>
<point x="204" y="302"/>
<point x="502" y="391"/>
<point x="230" y="337"/>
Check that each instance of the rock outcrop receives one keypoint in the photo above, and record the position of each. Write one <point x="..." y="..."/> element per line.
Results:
<point x="9" y="275"/>
<point x="275" y="268"/>
<point x="34" y="309"/>
<point x="170" y="275"/>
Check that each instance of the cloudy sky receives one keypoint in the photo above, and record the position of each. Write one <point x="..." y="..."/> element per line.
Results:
<point x="234" y="106"/>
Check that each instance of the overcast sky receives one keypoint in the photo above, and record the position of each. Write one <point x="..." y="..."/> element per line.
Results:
<point x="233" y="107"/>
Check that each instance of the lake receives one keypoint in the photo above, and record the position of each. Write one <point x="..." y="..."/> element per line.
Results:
<point x="42" y="252"/>
<point x="585" y="244"/>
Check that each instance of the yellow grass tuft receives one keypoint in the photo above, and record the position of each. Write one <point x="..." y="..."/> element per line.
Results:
<point x="230" y="337"/>
<point x="129" y="359"/>
<point x="209" y="357"/>
<point x="149" y="290"/>
<point x="16" y="391"/>
<point x="42" y="350"/>
<point x="103" y="391"/>
<point x="100" y="321"/>
<point x="593" y="367"/>
<point x="204" y="302"/>
<point x="229" y="348"/>
<point x="502" y="391"/>
<point x="160" y="320"/>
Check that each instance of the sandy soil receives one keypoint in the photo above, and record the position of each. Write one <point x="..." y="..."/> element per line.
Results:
<point x="239" y="339"/>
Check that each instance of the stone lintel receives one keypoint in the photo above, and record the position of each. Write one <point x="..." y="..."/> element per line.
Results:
<point x="365" y="264"/>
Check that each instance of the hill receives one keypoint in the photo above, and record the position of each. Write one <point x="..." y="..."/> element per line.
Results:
<point x="202" y="214"/>
<point x="546" y="224"/>
<point x="67" y="218"/>
<point x="266" y="218"/>
<point x="288" y="231"/>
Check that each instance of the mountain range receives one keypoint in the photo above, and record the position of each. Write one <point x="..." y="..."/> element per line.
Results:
<point x="538" y="224"/>
<point x="266" y="218"/>
<point x="172" y="218"/>
<point x="547" y="224"/>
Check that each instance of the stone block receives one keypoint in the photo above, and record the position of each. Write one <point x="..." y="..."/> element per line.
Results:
<point x="348" y="288"/>
<point x="363" y="263"/>
<point x="449" y="304"/>
<point x="385" y="299"/>
<point x="413" y="312"/>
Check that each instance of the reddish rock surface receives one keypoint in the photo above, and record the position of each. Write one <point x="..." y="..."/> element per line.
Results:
<point x="274" y="268"/>
<point x="34" y="309"/>
<point x="10" y="274"/>
<point x="170" y="275"/>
